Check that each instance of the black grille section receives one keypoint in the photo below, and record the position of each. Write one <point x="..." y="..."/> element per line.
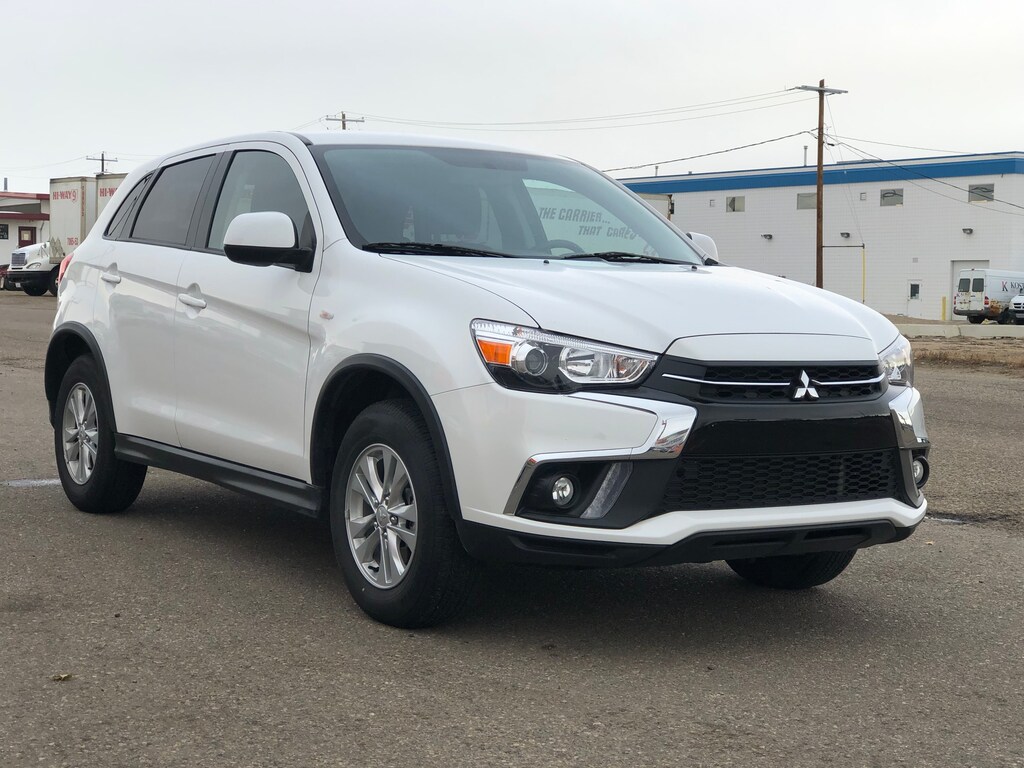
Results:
<point x="727" y="482"/>
<point x="739" y="383"/>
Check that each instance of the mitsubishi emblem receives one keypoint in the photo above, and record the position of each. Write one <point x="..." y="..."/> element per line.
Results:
<point x="802" y="389"/>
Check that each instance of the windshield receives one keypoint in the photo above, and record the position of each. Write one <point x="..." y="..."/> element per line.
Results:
<point x="501" y="203"/>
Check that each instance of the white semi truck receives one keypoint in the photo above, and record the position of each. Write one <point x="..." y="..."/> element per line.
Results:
<point x="75" y="202"/>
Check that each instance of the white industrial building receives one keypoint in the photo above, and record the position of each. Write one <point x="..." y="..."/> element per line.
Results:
<point x="919" y="221"/>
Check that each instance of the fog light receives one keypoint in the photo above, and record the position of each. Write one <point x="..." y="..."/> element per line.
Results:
<point x="563" y="490"/>
<point x="919" y="467"/>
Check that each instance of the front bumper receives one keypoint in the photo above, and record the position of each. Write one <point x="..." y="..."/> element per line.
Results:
<point x="499" y="440"/>
<point x="20" y="278"/>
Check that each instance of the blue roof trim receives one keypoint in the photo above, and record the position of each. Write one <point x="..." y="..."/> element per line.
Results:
<point x="834" y="174"/>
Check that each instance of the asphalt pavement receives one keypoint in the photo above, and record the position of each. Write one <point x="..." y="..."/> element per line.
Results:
<point x="201" y="628"/>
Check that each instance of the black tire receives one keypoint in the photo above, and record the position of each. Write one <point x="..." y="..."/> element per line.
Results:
<point x="793" y="571"/>
<point x="440" y="575"/>
<point x="51" y="284"/>
<point x="34" y="289"/>
<point x="113" y="484"/>
<point x="976" y="319"/>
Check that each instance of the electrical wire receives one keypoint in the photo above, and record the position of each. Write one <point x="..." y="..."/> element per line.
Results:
<point x="903" y="146"/>
<point x="706" y="154"/>
<point x="846" y="187"/>
<point x="42" y="165"/>
<point x="606" y="127"/>
<point x="622" y="116"/>
<point x="909" y="169"/>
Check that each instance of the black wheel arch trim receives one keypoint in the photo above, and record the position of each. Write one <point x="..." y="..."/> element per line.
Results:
<point x="407" y="379"/>
<point x="55" y="357"/>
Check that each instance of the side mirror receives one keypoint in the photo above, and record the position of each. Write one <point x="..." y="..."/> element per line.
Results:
<point x="265" y="238"/>
<point x="704" y="243"/>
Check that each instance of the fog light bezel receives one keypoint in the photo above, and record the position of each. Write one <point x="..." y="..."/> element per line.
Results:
<point x="921" y="461"/>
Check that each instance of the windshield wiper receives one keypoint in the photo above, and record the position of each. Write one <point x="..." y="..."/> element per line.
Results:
<point x="641" y="258"/>
<point x="433" y="249"/>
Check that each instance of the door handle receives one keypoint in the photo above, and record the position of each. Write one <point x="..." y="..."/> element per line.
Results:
<point x="191" y="301"/>
<point x="110" y="277"/>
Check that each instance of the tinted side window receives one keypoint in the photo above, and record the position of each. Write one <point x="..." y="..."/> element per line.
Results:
<point x="979" y="285"/>
<point x="167" y="210"/>
<point x="125" y="210"/>
<point x="259" y="181"/>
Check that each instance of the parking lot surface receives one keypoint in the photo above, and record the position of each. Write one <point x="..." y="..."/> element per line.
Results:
<point x="201" y="628"/>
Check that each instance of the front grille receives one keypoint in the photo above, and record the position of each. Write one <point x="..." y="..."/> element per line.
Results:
<point x="739" y="482"/>
<point x="738" y="383"/>
<point x="18" y="259"/>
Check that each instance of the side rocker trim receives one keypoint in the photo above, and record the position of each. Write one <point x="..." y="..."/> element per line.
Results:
<point x="285" y="491"/>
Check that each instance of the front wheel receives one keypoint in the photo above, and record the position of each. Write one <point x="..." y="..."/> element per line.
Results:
<point x="394" y="538"/>
<point x="34" y="289"/>
<point x="94" y="479"/>
<point x="793" y="571"/>
<point x="51" y="284"/>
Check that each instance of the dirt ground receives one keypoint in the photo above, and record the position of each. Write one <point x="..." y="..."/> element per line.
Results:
<point x="1005" y="354"/>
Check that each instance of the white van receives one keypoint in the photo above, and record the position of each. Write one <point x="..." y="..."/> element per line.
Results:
<point x="985" y="294"/>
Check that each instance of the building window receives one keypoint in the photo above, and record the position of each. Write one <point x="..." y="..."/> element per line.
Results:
<point x="915" y="290"/>
<point x="981" y="193"/>
<point x="711" y="203"/>
<point x="892" y="197"/>
<point x="4" y="234"/>
<point x="806" y="200"/>
<point x="736" y="204"/>
<point x="863" y="195"/>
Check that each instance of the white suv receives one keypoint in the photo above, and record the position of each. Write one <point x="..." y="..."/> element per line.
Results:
<point x="460" y="353"/>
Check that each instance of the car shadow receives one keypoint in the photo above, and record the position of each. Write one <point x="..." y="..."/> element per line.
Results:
<point x="557" y="611"/>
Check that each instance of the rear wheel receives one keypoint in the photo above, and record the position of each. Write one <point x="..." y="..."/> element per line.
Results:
<point x="94" y="479"/>
<point x="976" y="319"/>
<point x="51" y="285"/>
<point x="793" y="571"/>
<point x="394" y="538"/>
<point x="34" y="289"/>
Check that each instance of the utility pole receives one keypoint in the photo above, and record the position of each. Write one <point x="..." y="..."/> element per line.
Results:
<point x="344" y="120"/>
<point x="103" y="160"/>
<point x="819" y="261"/>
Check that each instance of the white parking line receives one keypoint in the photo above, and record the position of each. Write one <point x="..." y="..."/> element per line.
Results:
<point x="31" y="483"/>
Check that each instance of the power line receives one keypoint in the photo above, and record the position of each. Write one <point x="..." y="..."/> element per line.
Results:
<point x="864" y="156"/>
<point x="903" y="146"/>
<point x="594" y="127"/>
<point x="706" y="154"/>
<point x="910" y="169"/>
<point x="43" y="165"/>
<point x="622" y="116"/>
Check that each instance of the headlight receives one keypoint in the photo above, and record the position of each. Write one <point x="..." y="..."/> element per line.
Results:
<point x="528" y="358"/>
<point x="898" y="363"/>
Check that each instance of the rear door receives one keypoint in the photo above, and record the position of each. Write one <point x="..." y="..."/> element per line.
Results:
<point x="137" y="287"/>
<point x="962" y="297"/>
<point x="976" y="299"/>
<point x="242" y="340"/>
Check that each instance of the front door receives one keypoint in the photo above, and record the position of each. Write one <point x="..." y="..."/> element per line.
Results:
<point x="242" y="342"/>
<point x="26" y="236"/>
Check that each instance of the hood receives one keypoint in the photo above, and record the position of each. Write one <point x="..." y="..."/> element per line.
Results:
<point x="649" y="306"/>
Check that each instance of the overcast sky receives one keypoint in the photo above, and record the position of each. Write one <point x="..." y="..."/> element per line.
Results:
<point x="138" y="79"/>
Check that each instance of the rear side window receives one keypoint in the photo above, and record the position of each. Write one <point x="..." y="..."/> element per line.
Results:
<point x="964" y="285"/>
<point x="979" y="285"/>
<point x="166" y="212"/>
<point x="259" y="181"/>
<point x="125" y="209"/>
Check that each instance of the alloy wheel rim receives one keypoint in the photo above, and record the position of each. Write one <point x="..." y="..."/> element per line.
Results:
<point x="80" y="432"/>
<point x="380" y="516"/>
